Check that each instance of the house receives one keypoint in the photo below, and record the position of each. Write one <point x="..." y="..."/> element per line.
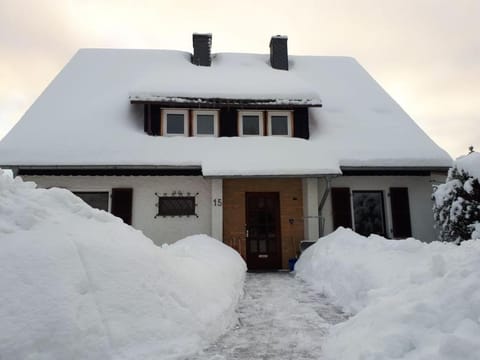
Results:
<point x="259" y="151"/>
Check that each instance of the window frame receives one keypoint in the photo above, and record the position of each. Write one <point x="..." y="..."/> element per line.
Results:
<point x="164" y="115"/>
<point x="213" y="112"/>
<point x="242" y="113"/>
<point x="385" y="214"/>
<point x="187" y="198"/>
<point x="286" y="113"/>
<point x="108" y="191"/>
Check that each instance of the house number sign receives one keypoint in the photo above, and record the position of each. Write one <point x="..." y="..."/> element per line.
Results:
<point x="217" y="202"/>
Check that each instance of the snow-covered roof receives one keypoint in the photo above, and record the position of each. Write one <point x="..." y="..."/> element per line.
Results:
<point x="85" y="117"/>
<point x="470" y="163"/>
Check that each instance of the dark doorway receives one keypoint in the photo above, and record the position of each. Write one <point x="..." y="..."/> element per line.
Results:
<point x="122" y="204"/>
<point x="263" y="230"/>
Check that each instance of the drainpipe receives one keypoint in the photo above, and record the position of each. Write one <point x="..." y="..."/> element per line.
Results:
<point x="321" y="220"/>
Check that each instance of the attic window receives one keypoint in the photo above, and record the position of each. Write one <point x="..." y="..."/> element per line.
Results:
<point x="175" y="122"/>
<point x="205" y="123"/>
<point x="250" y="123"/>
<point x="280" y="123"/>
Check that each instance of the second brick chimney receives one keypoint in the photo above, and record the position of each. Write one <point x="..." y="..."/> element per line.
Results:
<point x="202" y="44"/>
<point x="279" y="52"/>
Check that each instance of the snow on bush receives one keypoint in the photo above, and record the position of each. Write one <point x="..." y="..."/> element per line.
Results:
<point x="409" y="299"/>
<point x="77" y="283"/>
<point x="457" y="202"/>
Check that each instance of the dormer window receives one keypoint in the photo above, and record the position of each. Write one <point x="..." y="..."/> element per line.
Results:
<point x="279" y="123"/>
<point x="197" y="120"/>
<point x="175" y="122"/>
<point x="205" y="123"/>
<point x="250" y="123"/>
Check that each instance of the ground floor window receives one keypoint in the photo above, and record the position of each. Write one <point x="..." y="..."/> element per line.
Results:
<point x="176" y="206"/>
<point x="368" y="212"/>
<point x="96" y="199"/>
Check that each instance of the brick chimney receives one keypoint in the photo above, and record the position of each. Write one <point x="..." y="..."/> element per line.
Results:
<point x="279" y="52"/>
<point x="202" y="44"/>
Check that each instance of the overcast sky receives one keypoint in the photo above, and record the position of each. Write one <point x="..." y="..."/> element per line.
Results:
<point x="425" y="53"/>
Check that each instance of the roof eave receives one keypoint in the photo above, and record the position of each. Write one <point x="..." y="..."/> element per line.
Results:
<point x="392" y="170"/>
<point x="225" y="103"/>
<point x="103" y="170"/>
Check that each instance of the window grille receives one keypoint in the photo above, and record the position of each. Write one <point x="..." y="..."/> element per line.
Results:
<point x="176" y="205"/>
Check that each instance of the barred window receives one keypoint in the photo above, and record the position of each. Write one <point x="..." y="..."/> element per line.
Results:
<point x="176" y="206"/>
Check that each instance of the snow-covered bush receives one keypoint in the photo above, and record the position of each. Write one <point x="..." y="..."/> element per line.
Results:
<point x="77" y="283"/>
<point x="408" y="299"/>
<point x="456" y="205"/>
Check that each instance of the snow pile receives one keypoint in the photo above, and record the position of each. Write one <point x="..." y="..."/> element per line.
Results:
<point x="77" y="283"/>
<point x="410" y="300"/>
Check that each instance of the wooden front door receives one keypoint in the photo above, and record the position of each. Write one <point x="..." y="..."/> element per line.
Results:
<point x="263" y="230"/>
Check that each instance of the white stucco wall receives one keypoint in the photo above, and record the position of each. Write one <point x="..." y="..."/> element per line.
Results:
<point x="217" y="209"/>
<point x="310" y="208"/>
<point x="419" y="193"/>
<point x="161" y="229"/>
<point x="210" y="221"/>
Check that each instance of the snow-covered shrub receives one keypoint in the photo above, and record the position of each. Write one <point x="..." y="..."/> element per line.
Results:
<point x="457" y="202"/>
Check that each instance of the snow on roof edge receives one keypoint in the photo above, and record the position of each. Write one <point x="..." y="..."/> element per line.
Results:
<point x="152" y="97"/>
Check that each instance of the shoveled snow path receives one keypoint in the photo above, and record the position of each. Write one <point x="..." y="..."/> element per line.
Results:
<point x="280" y="317"/>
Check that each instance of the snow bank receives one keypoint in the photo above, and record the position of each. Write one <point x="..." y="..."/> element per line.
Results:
<point x="410" y="300"/>
<point x="77" y="283"/>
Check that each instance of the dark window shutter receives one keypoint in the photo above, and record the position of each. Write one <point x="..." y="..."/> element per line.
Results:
<point x="341" y="208"/>
<point x="400" y="212"/>
<point x="147" y="126"/>
<point x="122" y="204"/>
<point x="228" y="122"/>
<point x="300" y="123"/>
<point x="155" y="119"/>
<point x="145" y="118"/>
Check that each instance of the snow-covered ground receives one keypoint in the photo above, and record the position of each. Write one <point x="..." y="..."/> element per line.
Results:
<point x="280" y="318"/>
<point x="77" y="283"/>
<point x="409" y="299"/>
